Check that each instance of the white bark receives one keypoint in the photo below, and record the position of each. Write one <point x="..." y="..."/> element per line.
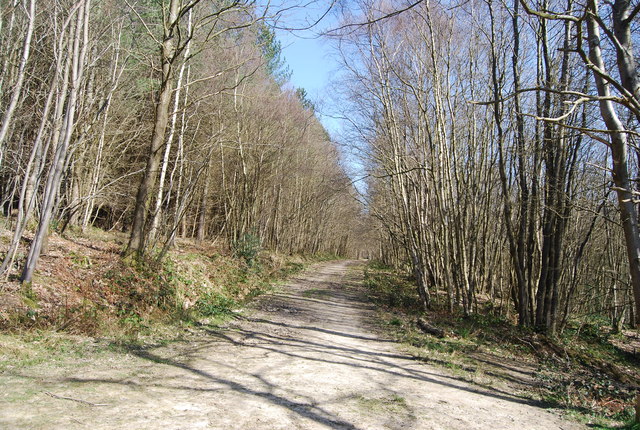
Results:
<point x="78" y="53"/>
<point x="619" y="152"/>
<point x="16" y="93"/>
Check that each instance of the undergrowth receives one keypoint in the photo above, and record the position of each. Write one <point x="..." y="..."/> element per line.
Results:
<point x="584" y="372"/>
<point x="89" y="290"/>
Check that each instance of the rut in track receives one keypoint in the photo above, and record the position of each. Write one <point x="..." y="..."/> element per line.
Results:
<point x="304" y="358"/>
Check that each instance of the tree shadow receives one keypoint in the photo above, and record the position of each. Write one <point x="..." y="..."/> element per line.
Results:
<point x="339" y="340"/>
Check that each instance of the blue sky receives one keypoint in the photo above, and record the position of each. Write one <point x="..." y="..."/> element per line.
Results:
<point x="313" y="66"/>
<point x="309" y="59"/>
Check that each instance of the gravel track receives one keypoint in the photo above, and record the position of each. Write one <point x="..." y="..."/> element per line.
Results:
<point x="303" y="358"/>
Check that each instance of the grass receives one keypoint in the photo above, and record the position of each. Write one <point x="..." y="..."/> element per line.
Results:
<point x="389" y="404"/>
<point x="88" y="291"/>
<point x="131" y="296"/>
<point x="582" y="372"/>
<point x="32" y="348"/>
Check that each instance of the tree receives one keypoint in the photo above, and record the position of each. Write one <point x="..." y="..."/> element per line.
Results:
<point x="76" y="60"/>
<point x="480" y="166"/>
<point x="80" y="106"/>
<point x="617" y="28"/>
<point x="173" y="42"/>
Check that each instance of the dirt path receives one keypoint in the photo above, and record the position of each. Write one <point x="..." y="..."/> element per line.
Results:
<point x="304" y="358"/>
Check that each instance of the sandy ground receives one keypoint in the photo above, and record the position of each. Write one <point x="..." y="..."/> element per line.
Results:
<point x="304" y="358"/>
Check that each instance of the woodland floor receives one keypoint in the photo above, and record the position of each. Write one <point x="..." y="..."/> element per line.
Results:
<point x="306" y="357"/>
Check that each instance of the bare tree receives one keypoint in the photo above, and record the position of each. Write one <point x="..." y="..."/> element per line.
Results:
<point x="78" y="40"/>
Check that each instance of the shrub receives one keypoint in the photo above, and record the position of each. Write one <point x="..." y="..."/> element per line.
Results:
<point x="215" y="304"/>
<point x="247" y="247"/>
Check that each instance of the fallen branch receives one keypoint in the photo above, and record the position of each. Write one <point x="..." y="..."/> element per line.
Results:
<point x="533" y="347"/>
<point x="84" y="402"/>
<point x="429" y="329"/>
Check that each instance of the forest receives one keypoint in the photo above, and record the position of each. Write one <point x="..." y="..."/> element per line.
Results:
<point x="500" y="141"/>
<point x="479" y="202"/>
<point x="165" y="120"/>
<point x="497" y="142"/>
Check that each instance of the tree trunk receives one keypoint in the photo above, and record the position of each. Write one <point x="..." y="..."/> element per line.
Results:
<point x="619" y="154"/>
<point x="137" y="241"/>
<point x="78" y="51"/>
<point x="17" y="89"/>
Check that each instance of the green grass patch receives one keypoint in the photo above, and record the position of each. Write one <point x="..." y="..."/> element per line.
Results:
<point x="388" y="404"/>
<point x="38" y="347"/>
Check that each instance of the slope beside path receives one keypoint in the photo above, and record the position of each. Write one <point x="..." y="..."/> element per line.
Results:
<point x="302" y="358"/>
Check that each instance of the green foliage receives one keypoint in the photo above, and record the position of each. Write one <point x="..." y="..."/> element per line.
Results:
<point x="272" y="51"/>
<point x="378" y="265"/>
<point x="247" y="247"/>
<point x="395" y="321"/>
<point x="214" y="304"/>
<point x="142" y="286"/>
<point x="590" y="342"/>
<point x="630" y="421"/>
<point x="389" y="404"/>
<point x="36" y="347"/>
<point x="302" y="95"/>
<point x="29" y="296"/>
<point x="325" y="256"/>
<point x="290" y="268"/>
<point x="145" y="85"/>
<point x="132" y="321"/>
